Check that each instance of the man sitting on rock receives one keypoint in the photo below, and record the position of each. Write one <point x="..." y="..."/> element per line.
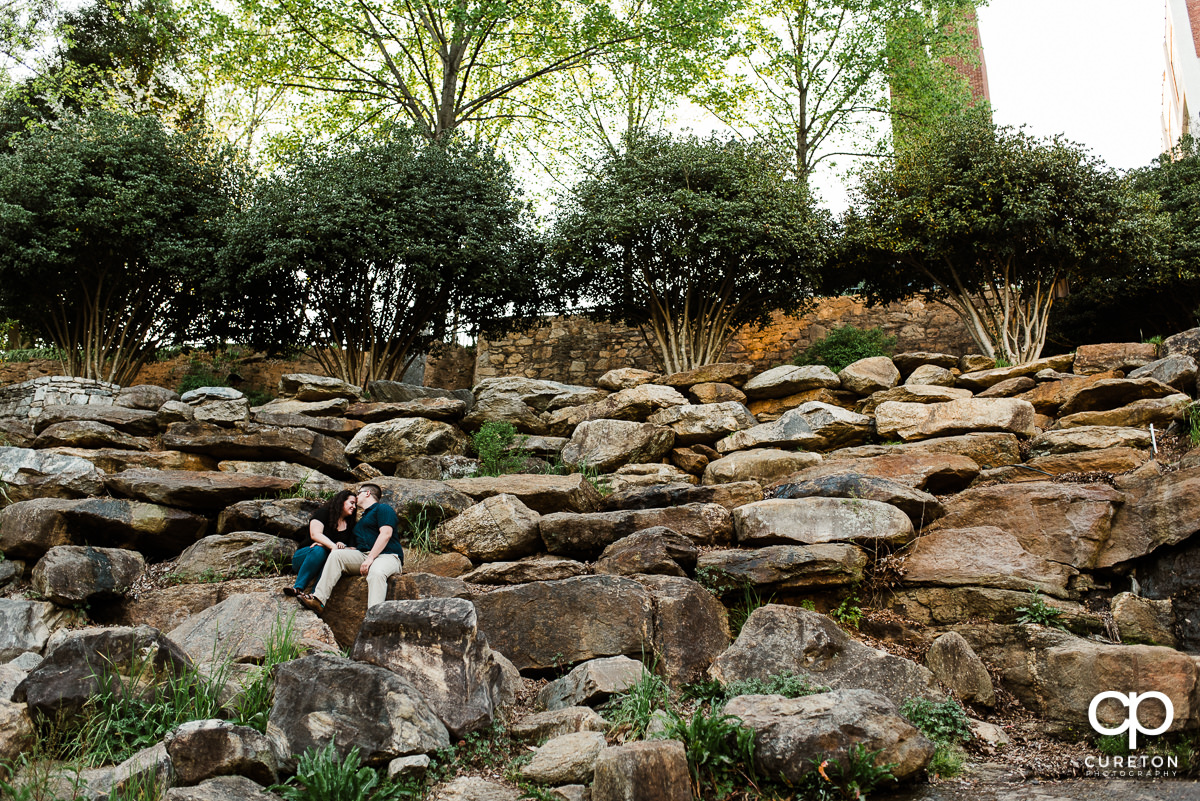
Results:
<point x="377" y="556"/>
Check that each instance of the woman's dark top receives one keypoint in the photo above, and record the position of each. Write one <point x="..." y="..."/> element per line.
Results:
<point x="323" y="514"/>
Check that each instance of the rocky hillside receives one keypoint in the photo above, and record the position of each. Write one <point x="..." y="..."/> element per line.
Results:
<point x="907" y="531"/>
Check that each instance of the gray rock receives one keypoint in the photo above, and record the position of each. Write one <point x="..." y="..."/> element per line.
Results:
<point x="70" y="575"/>
<point x="783" y="567"/>
<point x="309" y="387"/>
<point x="730" y="496"/>
<point x="810" y="521"/>
<point x="146" y="397"/>
<point x="650" y="770"/>
<point x="553" y="723"/>
<point x="909" y="361"/>
<point x="326" y="698"/>
<point x="239" y="627"/>
<point x="777" y="639"/>
<point x="1144" y="620"/>
<point x="636" y="404"/>
<point x="29" y="474"/>
<point x="1088" y="438"/>
<point x="290" y="407"/>
<point x="567" y="759"/>
<point x="437" y="468"/>
<point x="607" y="444"/>
<point x="591" y="683"/>
<point x="88" y="434"/>
<point x="174" y="412"/>
<point x="788" y="380"/>
<point x="201" y="394"/>
<point x="980" y="379"/>
<point x="921" y="507"/>
<point x="223" y="412"/>
<point x="222" y="788"/>
<point x="866" y="376"/>
<point x="706" y="422"/>
<point x="544" y="494"/>
<point x="541" y="567"/>
<point x="193" y="489"/>
<point x="413" y="497"/>
<point x="261" y="443"/>
<point x="930" y="375"/>
<point x="960" y="669"/>
<point x="913" y="393"/>
<point x="691" y="628"/>
<point x="135" y="422"/>
<point x="812" y="426"/>
<point x="447" y="409"/>
<point x="626" y="378"/>
<point x="26" y="626"/>
<point x="587" y="535"/>
<point x="473" y="788"/>
<point x="794" y="735"/>
<point x="285" y="517"/>
<point x="495" y="529"/>
<point x="658" y="550"/>
<point x="764" y="465"/>
<point x="404" y="438"/>
<point x="912" y="421"/>
<point x="306" y="478"/>
<point x="435" y="646"/>
<point x="237" y="553"/>
<point x="30" y="528"/>
<point x="984" y="556"/>
<point x="396" y="392"/>
<point x="204" y="749"/>
<point x="1008" y="388"/>
<point x="409" y="767"/>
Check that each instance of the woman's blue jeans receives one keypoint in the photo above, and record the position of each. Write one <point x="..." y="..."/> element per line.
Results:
<point x="307" y="562"/>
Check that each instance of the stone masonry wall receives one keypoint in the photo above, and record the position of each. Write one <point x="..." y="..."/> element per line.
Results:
<point x="577" y="351"/>
<point x="28" y="398"/>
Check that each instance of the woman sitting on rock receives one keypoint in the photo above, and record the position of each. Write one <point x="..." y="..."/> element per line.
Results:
<point x="333" y="520"/>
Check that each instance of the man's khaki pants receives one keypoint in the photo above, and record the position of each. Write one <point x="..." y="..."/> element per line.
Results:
<point x="346" y="562"/>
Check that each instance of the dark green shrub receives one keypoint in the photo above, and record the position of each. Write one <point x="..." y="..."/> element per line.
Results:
<point x="943" y="723"/>
<point x="720" y="751"/>
<point x="846" y="345"/>
<point x="493" y="444"/>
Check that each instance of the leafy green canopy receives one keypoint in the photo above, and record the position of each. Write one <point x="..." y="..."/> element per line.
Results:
<point x="371" y="250"/>
<point x="690" y="239"/>
<point x="108" y="230"/>
<point x="1155" y="297"/>
<point x="993" y="223"/>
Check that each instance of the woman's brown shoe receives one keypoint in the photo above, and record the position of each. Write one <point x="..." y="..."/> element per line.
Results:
<point x="311" y="602"/>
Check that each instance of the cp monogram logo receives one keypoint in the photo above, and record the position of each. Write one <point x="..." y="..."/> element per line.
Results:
<point x="1132" y="724"/>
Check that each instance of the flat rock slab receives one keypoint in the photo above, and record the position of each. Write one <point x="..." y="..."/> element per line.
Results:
<point x="285" y="517"/>
<point x="921" y="507"/>
<point x="627" y="377"/>
<point x="982" y="379"/>
<point x="88" y="434"/>
<point x="446" y="409"/>
<point x="586" y="535"/>
<point x="302" y="477"/>
<point x="114" y="460"/>
<point x="1088" y="438"/>
<point x="543" y="494"/>
<point x="30" y="528"/>
<point x="309" y="387"/>
<point x="1177" y="371"/>
<point x="209" y="489"/>
<point x="986" y="450"/>
<point x="910" y="421"/>
<point x="811" y="426"/>
<point x="338" y="427"/>
<point x="636" y="404"/>
<point x="764" y="465"/>
<point x="292" y="407"/>
<point x="707" y="422"/>
<point x="567" y="759"/>
<point x="777" y="639"/>
<point x="70" y="575"/>
<point x="553" y="623"/>
<point x="238" y="628"/>
<point x="735" y="373"/>
<point x="914" y="393"/>
<point x="931" y="472"/>
<point x="794" y="735"/>
<point x="607" y="444"/>
<point x="29" y="474"/>
<point x="137" y="422"/>
<point x="730" y="496"/>
<point x="261" y="443"/>
<point x="983" y="557"/>
<point x="1124" y="356"/>
<point x="542" y="567"/>
<point x="403" y="438"/>
<point x="766" y="410"/>
<point x="810" y="521"/>
<point x="1055" y="389"/>
<point x="951" y="606"/>
<point x="1112" y="393"/>
<point x="788" y="380"/>
<point x="783" y="567"/>
<point x="1066" y="523"/>
<point x="1155" y="411"/>
<point x="398" y="392"/>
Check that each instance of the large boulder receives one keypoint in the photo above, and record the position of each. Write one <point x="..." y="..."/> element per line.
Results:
<point x="309" y="387"/>
<point x="206" y="490"/>
<point x="764" y="465"/>
<point x="1056" y="675"/>
<point x="1154" y="411"/>
<point x="27" y="626"/>
<point x="767" y="409"/>
<point x="261" y="443"/>
<point x="985" y="556"/>
<point x="235" y="554"/>
<point x="1177" y="371"/>
<point x="625" y="378"/>
<point x="950" y="606"/>
<point x="811" y="426"/>
<point x="28" y="474"/>
<point x="225" y="413"/>
<point x="730" y="496"/>
<point x="921" y="507"/>
<point x="735" y="373"/>
<point x="1088" y="438"/>
<point x="326" y="699"/>
<point x="932" y="472"/>
<point x="413" y="497"/>
<point x="869" y="375"/>
<point x="88" y="434"/>
<point x="636" y="404"/>
<point x="778" y="639"/>
<point x="543" y="494"/>
<point x="71" y="575"/>
<point x="913" y="421"/>
<point x="960" y="669"/>
<point x="447" y="409"/>
<point x="204" y="749"/>
<point x="707" y="422"/>
<point x="114" y="460"/>
<point x="809" y="521"/>
<point x="1124" y="356"/>
<point x="655" y="551"/>
<point x="1159" y="509"/>
<point x="312" y="410"/>
<point x="567" y="759"/>
<point x="135" y="422"/>
<point x="284" y="517"/>
<point x="555" y="623"/>
<point x="144" y="396"/>
<point x="913" y="393"/>
<point x="647" y="770"/>
<point x="1113" y="393"/>
<point x="495" y="529"/>
<point x="396" y="440"/>
<point x="303" y="478"/>
<point x="586" y="535"/>
<point x="435" y="646"/>
<point x="795" y="735"/>
<point x="1055" y="389"/>
<point x="592" y="683"/>
<point x="541" y="567"/>
<point x="70" y="674"/>
<point x="783" y="567"/>
<point x="542" y="726"/>
<point x="691" y="628"/>
<point x="986" y="449"/>
<point x="397" y="392"/>
<point x="788" y="380"/>
<point x="238" y="629"/>
<point x="930" y="375"/>
<point x="1066" y="523"/>
<point x="606" y="445"/>
<point x="30" y="528"/>
<point x="977" y="380"/>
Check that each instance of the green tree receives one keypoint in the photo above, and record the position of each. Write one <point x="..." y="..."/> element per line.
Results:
<point x="370" y="250"/>
<point x="812" y="76"/>
<point x="1155" y="297"/>
<point x="991" y="222"/>
<point x="23" y="24"/>
<point x="690" y="240"/>
<point x="109" y="226"/>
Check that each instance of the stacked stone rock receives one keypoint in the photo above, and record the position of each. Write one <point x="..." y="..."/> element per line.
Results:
<point x="927" y="480"/>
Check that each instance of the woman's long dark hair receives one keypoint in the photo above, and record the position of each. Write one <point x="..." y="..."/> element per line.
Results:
<point x="333" y="510"/>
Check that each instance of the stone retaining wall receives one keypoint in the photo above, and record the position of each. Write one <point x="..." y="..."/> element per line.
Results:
<point x="577" y="351"/>
<point x="27" y="399"/>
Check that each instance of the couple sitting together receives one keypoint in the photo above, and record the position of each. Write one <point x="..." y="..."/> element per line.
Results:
<point x="340" y="546"/>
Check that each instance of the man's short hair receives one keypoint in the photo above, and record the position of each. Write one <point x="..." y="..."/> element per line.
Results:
<point x="374" y="489"/>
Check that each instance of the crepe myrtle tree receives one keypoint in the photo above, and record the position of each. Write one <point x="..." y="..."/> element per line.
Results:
<point x="368" y="251"/>
<point x="690" y="240"/>
<point x="108" y="229"/>
<point x="994" y="224"/>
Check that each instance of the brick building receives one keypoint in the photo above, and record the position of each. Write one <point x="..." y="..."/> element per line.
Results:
<point x="1181" y="78"/>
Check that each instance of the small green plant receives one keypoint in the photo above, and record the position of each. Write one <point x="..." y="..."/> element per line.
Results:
<point x="1154" y="340"/>
<point x="35" y="777"/>
<point x="322" y="776"/>
<point x="787" y="684"/>
<point x="848" y="613"/>
<point x="253" y="705"/>
<point x="491" y="749"/>
<point x="1193" y="418"/>
<point x="1112" y="745"/>
<point x="943" y="722"/>
<point x="854" y="779"/>
<point x="720" y="751"/>
<point x="301" y="490"/>
<point x="947" y="761"/>
<point x="632" y="710"/>
<point x="740" y="612"/>
<point x="419" y="530"/>
<point x="845" y="345"/>
<point x="1002" y="362"/>
<point x="493" y="444"/>
<point x="140" y="787"/>
<point x="1038" y="612"/>
<point x="592" y="476"/>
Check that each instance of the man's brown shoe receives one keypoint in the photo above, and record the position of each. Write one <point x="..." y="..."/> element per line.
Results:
<point x="311" y="602"/>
